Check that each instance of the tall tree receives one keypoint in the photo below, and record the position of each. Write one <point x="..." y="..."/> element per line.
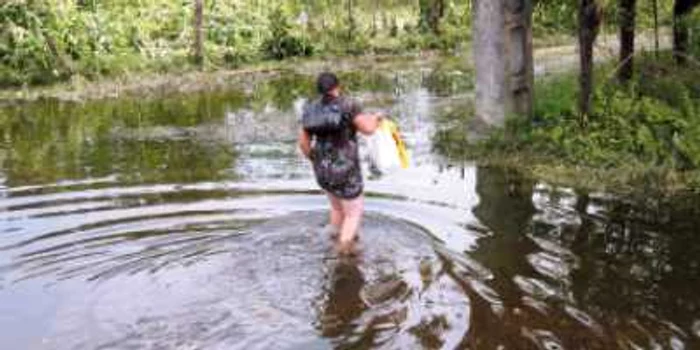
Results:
<point x="627" y="13"/>
<point x="198" y="48"/>
<point x="588" y="25"/>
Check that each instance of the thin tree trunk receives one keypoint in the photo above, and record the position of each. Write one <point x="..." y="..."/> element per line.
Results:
<point x="198" y="49"/>
<point x="374" y="17"/>
<point x="655" y="4"/>
<point x="680" y="39"/>
<point x="627" y="29"/>
<point x="351" y="22"/>
<point x="589" y="22"/>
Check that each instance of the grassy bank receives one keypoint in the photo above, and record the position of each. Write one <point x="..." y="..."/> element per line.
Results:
<point x="144" y="84"/>
<point x="643" y="133"/>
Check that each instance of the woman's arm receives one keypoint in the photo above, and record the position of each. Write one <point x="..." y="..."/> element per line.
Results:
<point x="367" y="123"/>
<point x="305" y="143"/>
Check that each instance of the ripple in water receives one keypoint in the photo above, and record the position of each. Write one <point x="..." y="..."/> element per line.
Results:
<point x="228" y="300"/>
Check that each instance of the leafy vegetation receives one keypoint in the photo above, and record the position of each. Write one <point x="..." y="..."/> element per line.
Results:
<point x="45" y="41"/>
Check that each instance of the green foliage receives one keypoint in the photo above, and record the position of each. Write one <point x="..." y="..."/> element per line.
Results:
<point x="554" y="16"/>
<point x="24" y="52"/>
<point x="556" y="96"/>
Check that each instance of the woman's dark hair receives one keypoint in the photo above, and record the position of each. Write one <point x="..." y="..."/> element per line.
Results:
<point x="326" y="82"/>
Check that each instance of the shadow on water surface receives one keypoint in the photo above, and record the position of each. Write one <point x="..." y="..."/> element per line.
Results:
<point x="192" y="222"/>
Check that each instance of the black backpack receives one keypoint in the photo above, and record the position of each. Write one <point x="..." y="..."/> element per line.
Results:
<point x="325" y="118"/>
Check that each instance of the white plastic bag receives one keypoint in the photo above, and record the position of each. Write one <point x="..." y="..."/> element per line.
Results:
<point x="383" y="152"/>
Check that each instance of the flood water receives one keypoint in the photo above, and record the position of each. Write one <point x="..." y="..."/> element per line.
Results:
<point x="191" y="222"/>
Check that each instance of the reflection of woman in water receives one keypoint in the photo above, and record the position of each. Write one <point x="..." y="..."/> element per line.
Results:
<point x="345" y="314"/>
<point x="343" y="302"/>
<point x="329" y="139"/>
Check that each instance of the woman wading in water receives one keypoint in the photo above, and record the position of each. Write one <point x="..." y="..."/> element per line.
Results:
<point x="329" y="139"/>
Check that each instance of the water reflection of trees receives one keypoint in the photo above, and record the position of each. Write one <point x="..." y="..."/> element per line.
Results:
<point x="505" y="207"/>
<point x="49" y="141"/>
<point x="640" y="263"/>
<point x="635" y="265"/>
<point x="281" y="92"/>
<point x="145" y="139"/>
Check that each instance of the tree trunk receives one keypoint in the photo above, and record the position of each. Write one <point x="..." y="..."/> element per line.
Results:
<point x="502" y="33"/>
<point x="490" y="61"/>
<point x="437" y="11"/>
<point x="680" y="33"/>
<point x="680" y="28"/>
<point x="374" y="17"/>
<point x="589" y="22"/>
<point x="198" y="49"/>
<point x="655" y="4"/>
<point x="520" y="57"/>
<point x="627" y="29"/>
<point x="680" y="39"/>
<point x="351" y="22"/>
<point x="431" y="14"/>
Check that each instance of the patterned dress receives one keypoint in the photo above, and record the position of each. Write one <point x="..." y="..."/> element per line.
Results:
<point x="335" y="156"/>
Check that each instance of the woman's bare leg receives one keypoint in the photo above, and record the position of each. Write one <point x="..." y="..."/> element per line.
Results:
<point x="352" y="218"/>
<point x="336" y="213"/>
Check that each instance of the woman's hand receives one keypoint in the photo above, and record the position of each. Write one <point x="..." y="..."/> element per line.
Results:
<point x="368" y="123"/>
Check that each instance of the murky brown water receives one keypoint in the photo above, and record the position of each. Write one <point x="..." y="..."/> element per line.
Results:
<point x="190" y="222"/>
